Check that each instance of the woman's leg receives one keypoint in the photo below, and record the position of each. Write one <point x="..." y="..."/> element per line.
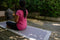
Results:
<point x="12" y="25"/>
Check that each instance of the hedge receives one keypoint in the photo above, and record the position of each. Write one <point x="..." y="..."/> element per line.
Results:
<point x="50" y="8"/>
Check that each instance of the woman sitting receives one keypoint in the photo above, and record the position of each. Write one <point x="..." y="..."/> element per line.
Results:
<point x="20" y="19"/>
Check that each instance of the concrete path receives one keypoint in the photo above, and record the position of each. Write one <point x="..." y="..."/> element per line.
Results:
<point x="52" y="26"/>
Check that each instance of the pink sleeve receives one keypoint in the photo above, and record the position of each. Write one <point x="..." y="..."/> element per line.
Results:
<point x="18" y="13"/>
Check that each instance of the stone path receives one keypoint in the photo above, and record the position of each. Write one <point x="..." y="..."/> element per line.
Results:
<point x="52" y="26"/>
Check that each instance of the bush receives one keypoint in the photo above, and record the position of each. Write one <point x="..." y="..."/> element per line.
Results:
<point x="50" y="8"/>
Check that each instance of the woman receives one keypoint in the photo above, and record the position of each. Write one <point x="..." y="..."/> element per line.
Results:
<point x="20" y="19"/>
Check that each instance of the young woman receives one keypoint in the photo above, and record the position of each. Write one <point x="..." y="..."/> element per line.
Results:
<point x="21" y="18"/>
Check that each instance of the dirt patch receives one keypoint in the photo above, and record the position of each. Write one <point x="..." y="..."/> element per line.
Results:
<point x="8" y="35"/>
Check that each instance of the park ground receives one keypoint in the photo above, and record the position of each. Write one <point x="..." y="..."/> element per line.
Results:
<point x="47" y="25"/>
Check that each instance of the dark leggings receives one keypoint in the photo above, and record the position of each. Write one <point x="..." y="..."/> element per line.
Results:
<point x="12" y="25"/>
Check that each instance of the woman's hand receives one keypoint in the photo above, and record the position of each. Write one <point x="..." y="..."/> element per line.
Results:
<point x="13" y="14"/>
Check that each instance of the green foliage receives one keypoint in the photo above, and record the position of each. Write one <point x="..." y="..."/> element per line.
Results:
<point x="49" y="8"/>
<point x="9" y="3"/>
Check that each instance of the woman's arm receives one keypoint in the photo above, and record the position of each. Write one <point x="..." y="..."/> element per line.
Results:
<point x="16" y="18"/>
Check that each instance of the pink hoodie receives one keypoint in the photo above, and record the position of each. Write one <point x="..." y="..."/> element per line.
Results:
<point x="22" y="22"/>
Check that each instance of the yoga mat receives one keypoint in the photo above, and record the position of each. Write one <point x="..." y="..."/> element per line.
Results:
<point x="30" y="32"/>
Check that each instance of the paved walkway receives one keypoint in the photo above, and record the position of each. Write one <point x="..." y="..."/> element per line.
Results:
<point x="52" y="26"/>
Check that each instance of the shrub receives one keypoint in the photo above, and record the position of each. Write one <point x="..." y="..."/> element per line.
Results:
<point x="50" y="8"/>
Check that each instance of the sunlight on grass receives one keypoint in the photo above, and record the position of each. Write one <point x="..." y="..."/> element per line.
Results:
<point x="17" y="37"/>
<point x="25" y="39"/>
<point x="1" y="30"/>
<point x="36" y="21"/>
<point x="56" y="38"/>
<point x="11" y="37"/>
<point x="56" y="24"/>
